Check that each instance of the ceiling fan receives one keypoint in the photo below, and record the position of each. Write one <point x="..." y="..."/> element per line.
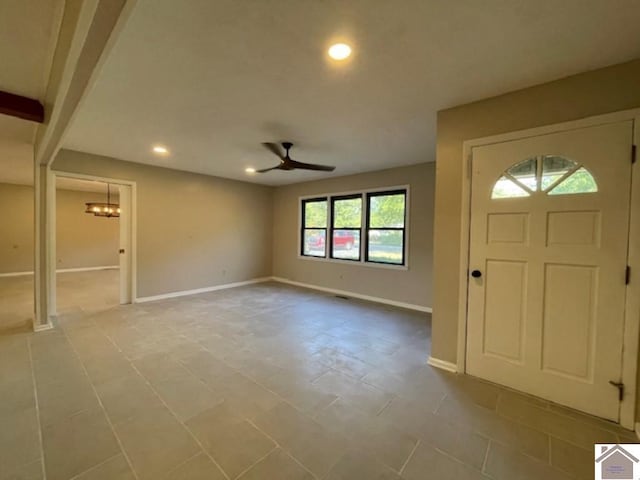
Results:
<point x="287" y="163"/>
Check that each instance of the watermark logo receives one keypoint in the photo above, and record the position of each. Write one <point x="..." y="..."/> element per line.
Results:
<point x="616" y="462"/>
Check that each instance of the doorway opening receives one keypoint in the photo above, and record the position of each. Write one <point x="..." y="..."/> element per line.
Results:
<point x="92" y="244"/>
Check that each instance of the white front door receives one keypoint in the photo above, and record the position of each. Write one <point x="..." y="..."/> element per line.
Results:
<point x="548" y="250"/>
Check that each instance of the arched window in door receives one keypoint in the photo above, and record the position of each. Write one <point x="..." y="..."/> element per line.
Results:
<point x="547" y="174"/>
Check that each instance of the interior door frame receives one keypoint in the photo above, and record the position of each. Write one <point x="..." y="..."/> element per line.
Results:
<point x="128" y="288"/>
<point x="630" y="347"/>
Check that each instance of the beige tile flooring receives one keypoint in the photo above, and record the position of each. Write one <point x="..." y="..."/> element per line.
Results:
<point x="268" y="382"/>
<point x="92" y="291"/>
<point x="16" y="302"/>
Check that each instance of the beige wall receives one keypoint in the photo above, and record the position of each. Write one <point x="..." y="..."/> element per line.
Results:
<point x="410" y="286"/>
<point x="601" y="91"/>
<point x="196" y="231"/>
<point x="193" y="231"/>
<point x="82" y="240"/>
<point x="16" y="228"/>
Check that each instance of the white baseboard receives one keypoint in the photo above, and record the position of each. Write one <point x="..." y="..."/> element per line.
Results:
<point x="15" y="274"/>
<point x="88" y="269"/>
<point x="346" y="293"/>
<point x="43" y="328"/>
<point x="64" y="270"/>
<point x="184" y="293"/>
<point x="442" y="364"/>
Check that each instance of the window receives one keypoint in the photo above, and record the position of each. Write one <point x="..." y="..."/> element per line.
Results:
<point x="580" y="181"/>
<point x="314" y="227"/>
<point x="548" y="174"/>
<point x="346" y="222"/>
<point x="386" y="227"/>
<point x="365" y="227"/>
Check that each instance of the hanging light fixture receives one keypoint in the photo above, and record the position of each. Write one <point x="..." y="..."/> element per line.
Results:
<point x="103" y="209"/>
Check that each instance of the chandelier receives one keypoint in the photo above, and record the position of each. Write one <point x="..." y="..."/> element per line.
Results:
<point x="100" y="209"/>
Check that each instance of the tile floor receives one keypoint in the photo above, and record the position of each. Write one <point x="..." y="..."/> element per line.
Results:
<point x="16" y="302"/>
<point x="92" y="291"/>
<point x="267" y="382"/>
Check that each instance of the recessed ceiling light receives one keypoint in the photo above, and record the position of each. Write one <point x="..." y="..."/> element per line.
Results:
<point x="250" y="170"/>
<point x="339" y="51"/>
<point x="161" y="150"/>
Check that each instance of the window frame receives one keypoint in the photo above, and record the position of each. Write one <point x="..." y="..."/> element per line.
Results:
<point x="540" y="189"/>
<point x="368" y="228"/>
<point x="303" y="226"/>
<point x="332" y="208"/>
<point x="363" y="236"/>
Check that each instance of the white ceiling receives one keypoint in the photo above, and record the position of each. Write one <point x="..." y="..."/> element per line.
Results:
<point x="67" y="183"/>
<point x="214" y="79"/>
<point x="28" y="30"/>
<point x="27" y="44"/>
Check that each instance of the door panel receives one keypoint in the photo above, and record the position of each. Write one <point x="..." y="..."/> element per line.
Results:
<point x="569" y="313"/>
<point x="573" y="229"/>
<point x="508" y="228"/>
<point x="505" y="308"/>
<point x="549" y="229"/>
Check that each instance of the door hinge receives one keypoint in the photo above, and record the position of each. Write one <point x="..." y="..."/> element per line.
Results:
<point x="634" y="153"/>
<point x="627" y="275"/>
<point x="620" y="387"/>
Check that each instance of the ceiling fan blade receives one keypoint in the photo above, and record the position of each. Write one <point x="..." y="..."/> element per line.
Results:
<point x="277" y="167"/>
<point x="274" y="148"/>
<point x="310" y="166"/>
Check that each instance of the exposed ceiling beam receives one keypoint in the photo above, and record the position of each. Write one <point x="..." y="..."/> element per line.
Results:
<point x="21" y="107"/>
<point x="87" y="32"/>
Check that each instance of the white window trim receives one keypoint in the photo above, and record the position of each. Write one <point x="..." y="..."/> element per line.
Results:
<point x="362" y="262"/>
